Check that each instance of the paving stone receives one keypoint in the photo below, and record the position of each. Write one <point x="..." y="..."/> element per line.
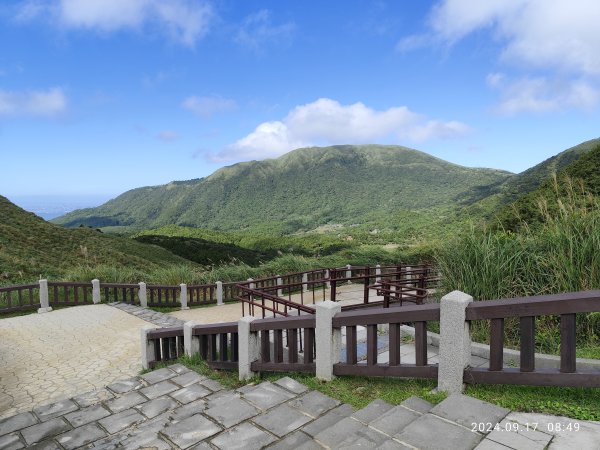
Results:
<point x="80" y="436"/>
<point x="125" y="401"/>
<point x="55" y="409"/>
<point x="218" y="398"/>
<point x="282" y="420"/>
<point x="232" y="412"/>
<point x="246" y="388"/>
<point x="93" y="397"/>
<point x="212" y="385"/>
<point x="143" y="435"/>
<point x="512" y="434"/>
<point x="11" y="442"/>
<point x="328" y="419"/>
<point x="86" y="415"/>
<point x="486" y="444"/>
<point x="291" y="385"/>
<point x="266" y="395"/>
<point x="146" y="443"/>
<point x="157" y="406"/>
<point x="187" y="378"/>
<point x="190" y="393"/>
<point x="314" y="403"/>
<point x="157" y="376"/>
<point x="297" y="440"/>
<point x="158" y="389"/>
<point x="183" y="412"/>
<point x="17" y="422"/>
<point x="121" y="387"/>
<point x="39" y="432"/>
<point x="394" y="421"/>
<point x="417" y="404"/>
<point x="121" y="420"/>
<point x="202" y="446"/>
<point x="179" y="368"/>
<point x="429" y="432"/>
<point x="243" y="436"/>
<point x="347" y="432"/>
<point x="392" y="445"/>
<point x="45" y="445"/>
<point x="373" y="410"/>
<point x="190" y="431"/>
<point x="466" y="410"/>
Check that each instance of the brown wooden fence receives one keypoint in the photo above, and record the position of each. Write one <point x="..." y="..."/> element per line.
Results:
<point x="168" y="344"/>
<point x="19" y="298"/>
<point x="219" y="344"/>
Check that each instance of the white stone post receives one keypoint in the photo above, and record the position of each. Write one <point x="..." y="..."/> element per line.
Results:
<point x="44" y="302"/>
<point x="305" y="282"/>
<point x="95" y="291"/>
<point x="147" y="347"/>
<point x="455" y="342"/>
<point x="142" y="295"/>
<point x="248" y="348"/>
<point x="408" y="275"/>
<point x="328" y="340"/>
<point x="191" y="343"/>
<point x="219" y="292"/>
<point x="327" y="283"/>
<point x="183" y="298"/>
<point x="279" y="283"/>
<point x="378" y="274"/>
<point x="349" y="273"/>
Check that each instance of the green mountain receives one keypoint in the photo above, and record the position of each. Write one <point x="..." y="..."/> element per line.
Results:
<point x="31" y="247"/>
<point x="304" y="189"/>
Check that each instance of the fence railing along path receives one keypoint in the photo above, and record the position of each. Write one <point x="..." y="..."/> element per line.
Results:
<point x="312" y="343"/>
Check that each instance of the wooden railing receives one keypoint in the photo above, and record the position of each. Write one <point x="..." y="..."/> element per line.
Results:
<point x="218" y="344"/>
<point x="167" y="343"/>
<point x="566" y="306"/>
<point x="19" y="298"/>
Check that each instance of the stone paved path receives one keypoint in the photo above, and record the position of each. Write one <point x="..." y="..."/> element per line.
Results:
<point x="65" y="352"/>
<point x="177" y="408"/>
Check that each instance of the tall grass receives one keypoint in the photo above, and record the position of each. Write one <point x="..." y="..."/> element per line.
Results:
<point x="562" y="254"/>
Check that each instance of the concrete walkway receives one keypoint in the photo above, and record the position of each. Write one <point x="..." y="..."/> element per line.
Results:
<point x="177" y="408"/>
<point x="65" y="352"/>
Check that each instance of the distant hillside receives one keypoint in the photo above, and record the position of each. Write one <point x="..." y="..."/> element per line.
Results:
<point x="571" y="184"/>
<point x="30" y="247"/>
<point x="306" y="188"/>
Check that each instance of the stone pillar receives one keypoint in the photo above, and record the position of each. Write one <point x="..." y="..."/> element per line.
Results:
<point x="142" y="295"/>
<point x="44" y="301"/>
<point x="248" y="348"/>
<point x="455" y="342"/>
<point x="305" y="282"/>
<point x="349" y="273"/>
<point x="147" y="347"/>
<point x="219" y="292"/>
<point x="191" y="343"/>
<point x="378" y="274"/>
<point x="328" y="339"/>
<point x="96" y="291"/>
<point x="183" y="298"/>
<point x="408" y="275"/>
<point x="327" y="283"/>
<point x="279" y="283"/>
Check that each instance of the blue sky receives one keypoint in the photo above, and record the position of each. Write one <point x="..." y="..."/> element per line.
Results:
<point x="101" y="96"/>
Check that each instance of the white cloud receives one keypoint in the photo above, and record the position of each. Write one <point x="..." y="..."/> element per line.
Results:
<point x="326" y="121"/>
<point x="257" y="30"/>
<point x="168" y="136"/>
<point x="537" y="33"/>
<point x="209" y="105"/>
<point x="542" y="95"/>
<point x="185" y="21"/>
<point x="49" y="103"/>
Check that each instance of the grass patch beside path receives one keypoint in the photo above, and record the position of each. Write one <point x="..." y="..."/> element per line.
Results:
<point x="577" y="403"/>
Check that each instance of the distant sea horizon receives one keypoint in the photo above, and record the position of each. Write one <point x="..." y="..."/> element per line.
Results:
<point x="51" y="206"/>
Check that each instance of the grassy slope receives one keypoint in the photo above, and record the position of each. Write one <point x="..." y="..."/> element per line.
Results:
<point x="30" y="247"/>
<point x="301" y="190"/>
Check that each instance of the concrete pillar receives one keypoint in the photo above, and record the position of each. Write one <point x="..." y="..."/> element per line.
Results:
<point x="248" y="348"/>
<point x="147" y="347"/>
<point x="191" y="343"/>
<point x="219" y="292"/>
<point x="142" y="295"/>
<point x="328" y="339"/>
<point x="378" y="274"/>
<point x="279" y="283"/>
<point x="455" y="342"/>
<point x="327" y="283"/>
<point x="408" y="275"/>
<point x="349" y="272"/>
<point x="183" y="298"/>
<point x="44" y="301"/>
<point x="305" y="282"/>
<point x="96" y="291"/>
